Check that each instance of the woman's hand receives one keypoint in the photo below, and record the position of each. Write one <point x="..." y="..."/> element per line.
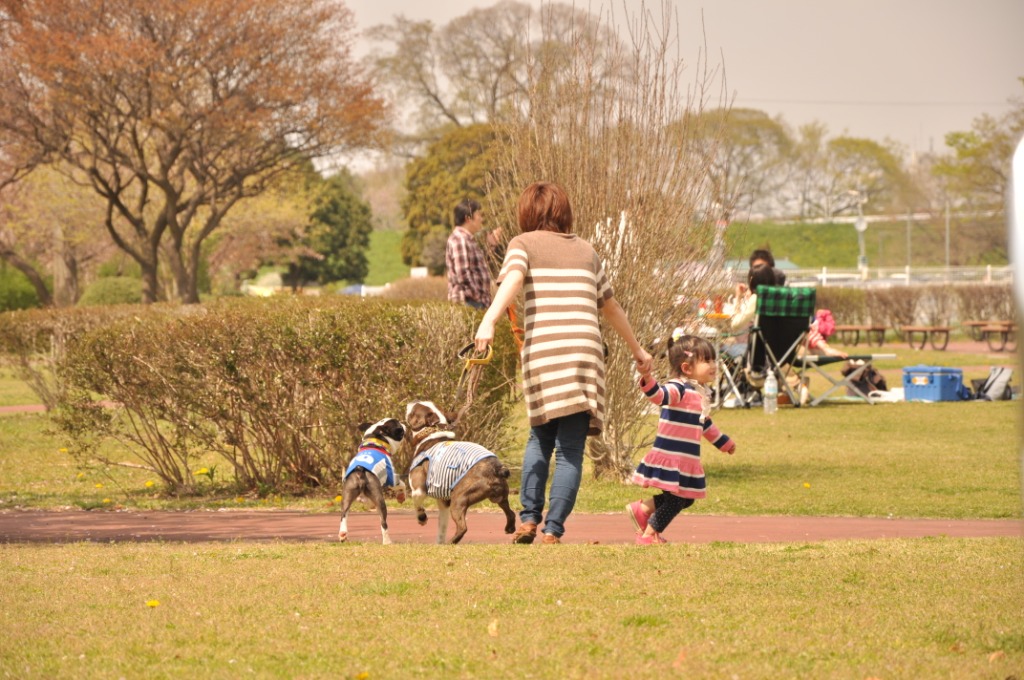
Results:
<point x="644" y="362"/>
<point x="484" y="335"/>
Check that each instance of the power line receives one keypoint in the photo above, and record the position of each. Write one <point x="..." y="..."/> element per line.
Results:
<point x="824" y="102"/>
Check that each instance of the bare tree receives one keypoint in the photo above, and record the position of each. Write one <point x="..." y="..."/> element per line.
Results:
<point x="630" y="153"/>
<point x="178" y="109"/>
<point x="477" y="68"/>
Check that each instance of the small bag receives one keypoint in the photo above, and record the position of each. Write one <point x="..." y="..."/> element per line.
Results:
<point x="996" y="387"/>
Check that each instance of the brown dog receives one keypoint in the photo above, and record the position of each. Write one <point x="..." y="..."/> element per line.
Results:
<point x="457" y="474"/>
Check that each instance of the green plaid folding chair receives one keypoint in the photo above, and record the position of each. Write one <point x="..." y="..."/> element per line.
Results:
<point x="780" y="329"/>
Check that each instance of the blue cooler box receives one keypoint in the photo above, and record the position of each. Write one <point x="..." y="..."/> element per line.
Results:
<point x="932" y="383"/>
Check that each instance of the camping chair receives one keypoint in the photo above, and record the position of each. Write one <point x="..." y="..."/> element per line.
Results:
<point x="730" y="382"/>
<point x="860" y="364"/>
<point x="780" y="329"/>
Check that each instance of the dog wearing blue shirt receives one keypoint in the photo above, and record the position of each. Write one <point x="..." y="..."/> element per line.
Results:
<point x="371" y="472"/>
<point x="457" y="474"/>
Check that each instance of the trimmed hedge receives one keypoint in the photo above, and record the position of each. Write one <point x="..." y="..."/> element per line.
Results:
<point x="276" y="387"/>
<point x="34" y="341"/>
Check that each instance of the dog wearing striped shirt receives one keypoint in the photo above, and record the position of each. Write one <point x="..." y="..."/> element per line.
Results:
<point x="371" y="473"/>
<point x="457" y="474"/>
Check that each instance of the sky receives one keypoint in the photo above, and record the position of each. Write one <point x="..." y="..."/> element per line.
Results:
<point x="906" y="70"/>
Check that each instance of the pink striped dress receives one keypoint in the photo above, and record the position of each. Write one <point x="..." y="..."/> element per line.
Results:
<point x="673" y="463"/>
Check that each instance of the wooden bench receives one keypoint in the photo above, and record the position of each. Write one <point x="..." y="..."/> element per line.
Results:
<point x="973" y="328"/>
<point x="933" y="334"/>
<point x="850" y="335"/>
<point x="1000" y="335"/>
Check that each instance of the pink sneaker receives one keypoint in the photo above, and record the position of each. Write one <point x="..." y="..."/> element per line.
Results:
<point x="635" y="510"/>
<point x="654" y="539"/>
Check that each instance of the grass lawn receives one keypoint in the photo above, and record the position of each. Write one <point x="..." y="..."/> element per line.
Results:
<point x="385" y="258"/>
<point x="14" y="392"/>
<point x="857" y="609"/>
<point x="924" y="608"/>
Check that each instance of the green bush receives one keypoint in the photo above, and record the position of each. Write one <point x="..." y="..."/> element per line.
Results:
<point x="276" y="387"/>
<point x="15" y="291"/>
<point x="112" y="290"/>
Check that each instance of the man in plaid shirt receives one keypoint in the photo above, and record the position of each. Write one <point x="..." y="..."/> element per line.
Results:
<point x="469" y="279"/>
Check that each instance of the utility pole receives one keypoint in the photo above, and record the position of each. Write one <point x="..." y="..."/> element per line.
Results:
<point x="861" y="225"/>
<point x="947" y="238"/>
<point x="910" y="221"/>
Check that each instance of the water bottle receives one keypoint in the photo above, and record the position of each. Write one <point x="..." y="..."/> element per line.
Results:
<point x="771" y="393"/>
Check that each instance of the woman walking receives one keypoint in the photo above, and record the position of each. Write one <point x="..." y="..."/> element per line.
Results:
<point x="566" y="291"/>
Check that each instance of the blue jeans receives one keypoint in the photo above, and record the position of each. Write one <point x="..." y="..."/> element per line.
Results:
<point x="566" y="437"/>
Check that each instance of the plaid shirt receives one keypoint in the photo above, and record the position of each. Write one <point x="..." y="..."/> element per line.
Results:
<point x="468" y="275"/>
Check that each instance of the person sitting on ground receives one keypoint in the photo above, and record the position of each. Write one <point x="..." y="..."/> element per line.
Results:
<point x="823" y="326"/>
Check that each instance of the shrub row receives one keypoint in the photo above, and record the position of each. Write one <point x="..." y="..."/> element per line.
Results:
<point x="34" y="341"/>
<point x="275" y="388"/>
<point x="900" y="306"/>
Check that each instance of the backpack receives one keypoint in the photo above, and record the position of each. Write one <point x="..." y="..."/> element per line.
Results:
<point x="996" y="387"/>
<point x="869" y="381"/>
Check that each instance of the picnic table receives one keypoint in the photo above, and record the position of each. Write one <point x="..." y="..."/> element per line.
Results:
<point x="850" y="334"/>
<point x="999" y="335"/>
<point x="917" y="335"/>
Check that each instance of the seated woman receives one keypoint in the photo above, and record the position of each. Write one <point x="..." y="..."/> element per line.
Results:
<point x="743" y="306"/>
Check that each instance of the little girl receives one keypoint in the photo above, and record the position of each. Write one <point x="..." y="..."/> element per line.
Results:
<point x="673" y="463"/>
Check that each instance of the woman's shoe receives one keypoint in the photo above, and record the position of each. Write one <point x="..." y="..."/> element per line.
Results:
<point x="550" y="539"/>
<point x="525" y="533"/>
<point x="635" y="510"/>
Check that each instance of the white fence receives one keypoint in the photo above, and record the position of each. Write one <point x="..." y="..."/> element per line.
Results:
<point x="894" y="276"/>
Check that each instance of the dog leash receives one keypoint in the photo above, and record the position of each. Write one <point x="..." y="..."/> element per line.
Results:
<point x="472" y="367"/>
<point x="518" y="333"/>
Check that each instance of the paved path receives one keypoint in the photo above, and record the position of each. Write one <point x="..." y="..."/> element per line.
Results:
<point x="484" y="527"/>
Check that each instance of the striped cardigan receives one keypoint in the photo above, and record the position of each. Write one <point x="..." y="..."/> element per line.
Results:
<point x="564" y="287"/>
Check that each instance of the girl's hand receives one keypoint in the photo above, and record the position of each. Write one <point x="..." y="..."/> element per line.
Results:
<point x="644" y="363"/>
<point x="732" y="451"/>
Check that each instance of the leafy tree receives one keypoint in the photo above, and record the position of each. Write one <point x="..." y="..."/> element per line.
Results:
<point x="51" y="230"/>
<point x="263" y="229"/>
<point x="455" y="167"/>
<point x="338" y="235"/>
<point x="978" y="173"/>
<point x="16" y="292"/>
<point x="861" y="170"/>
<point x="807" y="170"/>
<point x="745" y="151"/>
<point x="177" y="110"/>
